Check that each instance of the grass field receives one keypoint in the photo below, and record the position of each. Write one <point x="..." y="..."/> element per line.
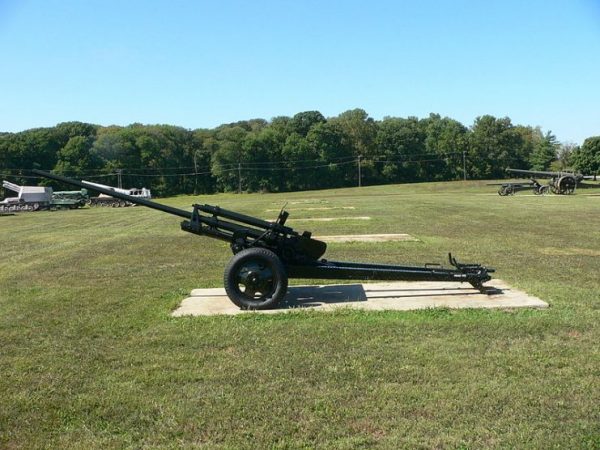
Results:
<point x="90" y="357"/>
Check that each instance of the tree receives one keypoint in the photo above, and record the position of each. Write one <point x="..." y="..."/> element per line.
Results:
<point x="116" y="146"/>
<point x="76" y="158"/>
<point x="302" y="122"/>
<point x="228" y="156"/>
<point x="299" y="157"/>
<point x="202" y="148"/>
<point x="360" y="132"/>
<point x="445" y="141"/>
<point x="305" y="151"/>
<point x="401" y="145"/>
<point x="327" y="141"/>
<point x="529" y="138"/>
<point x="587" y="158"/>
<point x="545" y="152"/>
<point x="262" y="158"/>
<point x="493" y="144"/>
<point x="565" y="155"/>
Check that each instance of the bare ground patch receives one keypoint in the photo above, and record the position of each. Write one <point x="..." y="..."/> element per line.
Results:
<point x="568" y="251"/>
<point x="322" y="208"/>
<point x="367" y="237"/>
<point x="331" y="219"/>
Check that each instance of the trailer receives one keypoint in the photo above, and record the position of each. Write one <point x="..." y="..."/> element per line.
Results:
<point x="267" y="254"/>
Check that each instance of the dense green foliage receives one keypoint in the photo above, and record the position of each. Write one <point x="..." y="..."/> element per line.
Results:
<point x="306" y="151"/>
<point x="587" y="158"/>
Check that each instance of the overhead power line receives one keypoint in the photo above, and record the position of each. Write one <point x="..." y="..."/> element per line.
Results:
<point x="266" y="166"/>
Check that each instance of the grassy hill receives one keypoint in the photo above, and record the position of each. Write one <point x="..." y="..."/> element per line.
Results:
<point x="90" y="356"/>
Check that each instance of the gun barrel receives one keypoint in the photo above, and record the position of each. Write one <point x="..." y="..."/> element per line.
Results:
<point x="536" y="173"/>
<point x="12" y="186"/>
<point x="543" y="174"/>
<point x="110" y="192"/>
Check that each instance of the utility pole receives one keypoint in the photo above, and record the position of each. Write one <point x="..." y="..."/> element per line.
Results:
<point x="464" y="165"/>
<point x="359" y="174"/>
<point x="239" y="178"/>
<point x="119" y="181"/>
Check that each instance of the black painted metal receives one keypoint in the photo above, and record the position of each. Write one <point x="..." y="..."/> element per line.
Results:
<point x="218" y="211"/>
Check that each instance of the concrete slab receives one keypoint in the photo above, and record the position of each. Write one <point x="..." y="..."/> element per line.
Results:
<point x="398" y="295"/>
<point x="367" y="237"/>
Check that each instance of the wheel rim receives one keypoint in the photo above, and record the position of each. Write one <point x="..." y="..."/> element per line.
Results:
<point x="254" y="280"/>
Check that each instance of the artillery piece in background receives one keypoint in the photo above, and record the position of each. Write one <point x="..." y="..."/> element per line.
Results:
<point x="562" y="183"/>
<point x="267" y="254"/>
<point x="110" y="200"/>
<point x="34" y="198"/>
<point x="511" y="188"/>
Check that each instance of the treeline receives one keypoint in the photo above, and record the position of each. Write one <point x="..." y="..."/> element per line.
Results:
<point x="306" y="151"/>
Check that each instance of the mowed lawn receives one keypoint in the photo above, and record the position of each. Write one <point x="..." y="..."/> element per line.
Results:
<point x="91" y="358"/>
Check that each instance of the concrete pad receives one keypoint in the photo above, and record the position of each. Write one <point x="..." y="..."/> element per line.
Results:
<point x="367" y="238"/>
<point x="397" y="295"/>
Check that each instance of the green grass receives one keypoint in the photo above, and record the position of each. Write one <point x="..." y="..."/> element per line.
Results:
<point x="90" y="357"/>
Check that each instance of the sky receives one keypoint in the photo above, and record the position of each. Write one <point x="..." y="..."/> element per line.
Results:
<point x="199" y="64"/>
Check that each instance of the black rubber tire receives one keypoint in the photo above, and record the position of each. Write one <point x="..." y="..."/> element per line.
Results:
<point x="260" y="271"/>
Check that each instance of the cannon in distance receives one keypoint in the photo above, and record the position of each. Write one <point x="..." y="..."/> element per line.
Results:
<point x="563" y="183"/>
<point x="266" y="254"/>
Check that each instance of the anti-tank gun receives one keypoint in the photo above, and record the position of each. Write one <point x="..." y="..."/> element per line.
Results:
<point x="266" y="254"/>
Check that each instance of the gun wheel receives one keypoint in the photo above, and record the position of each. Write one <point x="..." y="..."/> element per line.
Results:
<point x="255" y="279"/>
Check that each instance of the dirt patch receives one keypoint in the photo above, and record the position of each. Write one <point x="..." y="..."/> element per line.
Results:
<point x="569" y="251"/>
<point x="331" y="219"/>
<point x="304" y="202"/>
<point x="322" y="208"/>
<point x="367" y="238"/>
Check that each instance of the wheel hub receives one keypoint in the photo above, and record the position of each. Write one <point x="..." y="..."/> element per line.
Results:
<point x="255" y="278"/>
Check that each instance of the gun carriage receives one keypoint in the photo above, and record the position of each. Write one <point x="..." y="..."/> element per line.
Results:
<point x="512" y="187"/>
<point x="267" y="254"/>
